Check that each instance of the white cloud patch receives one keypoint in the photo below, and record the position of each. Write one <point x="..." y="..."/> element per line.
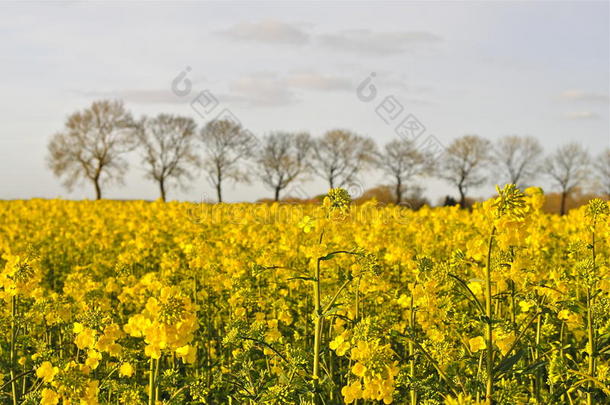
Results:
<point x="272" y="90"/>
<point x="263" y="89"/>
<point x="316" y="81"/>
<point x="138" y="96"/>
<point x="260" y="90"/>
<point x="357" y="40"/>
<point x="582" y="115"/>
<point x="268" y="31"/>
<point x="579" y="95"/>
<point x="401" y="84"/>
<point x="377" y="43"/>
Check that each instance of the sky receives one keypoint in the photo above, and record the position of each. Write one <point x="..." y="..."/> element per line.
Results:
<point x="485" y="68"/>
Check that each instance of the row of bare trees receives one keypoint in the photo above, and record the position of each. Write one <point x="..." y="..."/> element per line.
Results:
<point x="470" y="161"/>
<point x="94" y="143"/>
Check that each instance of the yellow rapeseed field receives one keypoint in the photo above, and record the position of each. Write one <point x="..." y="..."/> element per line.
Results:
<point x="113" y="302"/>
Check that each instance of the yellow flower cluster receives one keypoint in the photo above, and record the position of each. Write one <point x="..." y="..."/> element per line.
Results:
<point x="128" y="302"/>
<point x="168" y="322"/>
<point x="373" y="367"/>
<point x="20" y="276"/>
<point x="60" y="389"/>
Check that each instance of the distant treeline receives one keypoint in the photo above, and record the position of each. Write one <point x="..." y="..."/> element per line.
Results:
<point x="93" y="144"/>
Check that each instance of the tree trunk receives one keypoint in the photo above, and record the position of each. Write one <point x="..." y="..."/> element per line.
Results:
<point x="564" y="197"/>
<point x="162" y="189"/>
<point x="219" y="182"/>
<point x="462" y="197"/>
<point x="219" y="192"/>
<point x="398" y="191"/>
<point x="277" y="194"/>
<point x="98" y="190"/>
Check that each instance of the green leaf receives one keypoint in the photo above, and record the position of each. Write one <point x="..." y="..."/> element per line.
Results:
<point x="328" y="256"/>
<point x="508" y="363"/>
<point x="533" y="367"/>
<point x="472" y="297"/>
<point x="303" y="278"/>
<point x="332" y="310"/>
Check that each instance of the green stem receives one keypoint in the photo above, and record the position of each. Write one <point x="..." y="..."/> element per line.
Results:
<point x="513" y="314"/>
<point x="357" y="316"/>
<point x="412" y="350"/>
<point x="157" y="378"/>
<point x="319" y="313"/>
<point x="13" y="344"/>
<point x="435" y="364"/>
<point x="317" y="334"/>
<point x="479" y="374"/>
<point x="151" y="383"/>
<point x="25" y="373"/>
<point x="489" y="314"/>
<point x="590" y="331"/>
<point x="591" y="343"/>
<point x="537" y="355"/>
<point x="334" y="298"/>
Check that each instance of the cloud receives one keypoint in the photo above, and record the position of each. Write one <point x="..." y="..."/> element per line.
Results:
<point x="139" y="96"/>
<point x="260" y="90"/>
<point x="394" y="83"/>
<point x="268" y="31"/>
<point x="356" y="40"/>
<point x="377" y="43"/>
<point x="271" y="90"/>
<point x="579" y="95"/>
<point x="581" y="115"/>
<point x="316" y="81"/>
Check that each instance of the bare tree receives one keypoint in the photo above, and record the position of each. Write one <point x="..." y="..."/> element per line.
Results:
<point x="92" y="145"/>
<point x="463" y="163"/>
<point x="282" y="158"/>
<point x="167" y="148"/>
<point x="339" y="155"/>
<point x="568" y="167"/>
<point x="226" y="144"/>
<point x="602" y="166"/>
<point x="401" y="160"/>
<point x="517" y="159"/>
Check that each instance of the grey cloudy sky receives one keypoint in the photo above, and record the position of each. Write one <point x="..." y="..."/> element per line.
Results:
<point x="494" y="68"/>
